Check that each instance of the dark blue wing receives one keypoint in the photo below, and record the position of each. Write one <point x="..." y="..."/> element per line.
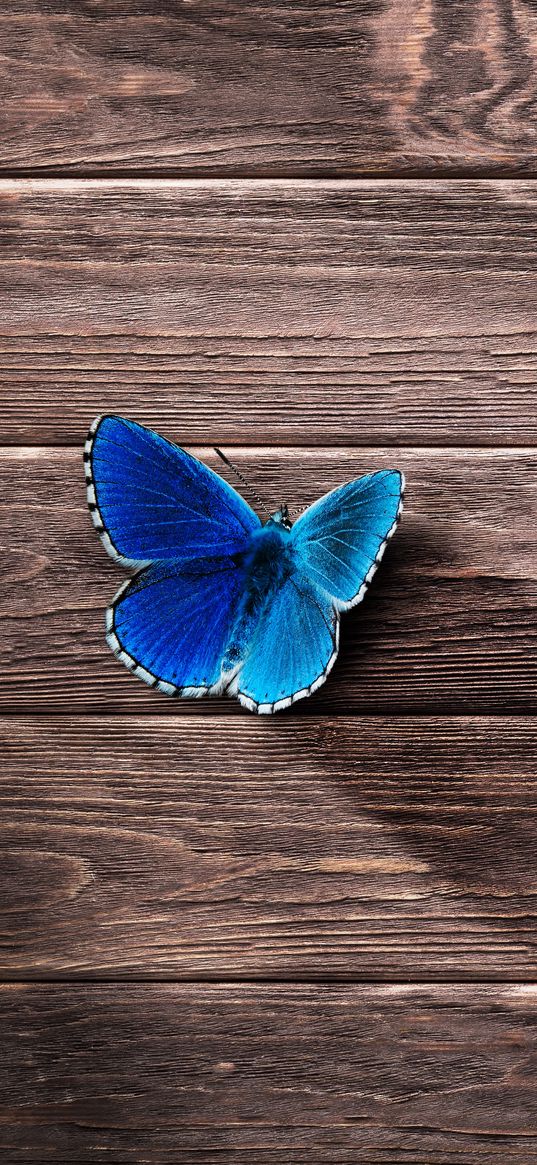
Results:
<point x="292" y="650"/>
<point x="170" y="624"/>
<point x="151" y="501"/>
<point x="339" y="541"/>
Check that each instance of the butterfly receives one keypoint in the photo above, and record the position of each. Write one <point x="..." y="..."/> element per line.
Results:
<point x="220" y="603"/>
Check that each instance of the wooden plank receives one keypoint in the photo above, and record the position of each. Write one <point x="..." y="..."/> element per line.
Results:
<point x="448" y="625"/>
<point x="271" y="312"/>
<point x="307" y="87"/>
<point x="290" y="1073"/>
<point x="351" y="848"/>
<point x="384" y="391"/>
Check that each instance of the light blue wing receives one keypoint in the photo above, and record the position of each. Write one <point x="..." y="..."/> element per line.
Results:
<point x="292" y="649"/>
<point x="339" y="541"/>
<point x="170" y="625"/>
<point x="151" y="501"/>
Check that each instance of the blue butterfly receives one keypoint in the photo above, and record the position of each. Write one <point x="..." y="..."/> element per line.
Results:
<point x="219" y="603"/>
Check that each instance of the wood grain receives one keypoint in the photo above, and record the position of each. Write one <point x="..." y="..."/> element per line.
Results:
<point x="448" y="625"/>
<point x="270" y="312"/>
<point x="271" y="1074"/>
<point x="305" y="88"/>
<point x="350" y="848"/>
<point x="422" y="390"/>
<point x="311" y="323"/>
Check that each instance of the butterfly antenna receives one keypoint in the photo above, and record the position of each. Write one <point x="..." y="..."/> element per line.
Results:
<point x="245" y="483"/>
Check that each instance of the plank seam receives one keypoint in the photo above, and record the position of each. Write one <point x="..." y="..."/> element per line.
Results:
<point x="515" y="450"/>
<point x="240" y="981"/>
<point x="196" y="178"/>
<point x="372" y="446"/>
<point x="271" y="174"/>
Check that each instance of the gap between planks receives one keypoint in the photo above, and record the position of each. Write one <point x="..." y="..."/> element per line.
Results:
<point x="271" y="174"/>
<point x="265" y="981"/>
<point x="148" y="180"/>
<point x="196" y="448"/>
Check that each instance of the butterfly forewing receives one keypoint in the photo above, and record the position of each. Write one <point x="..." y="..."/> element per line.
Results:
<point x="152" y="501"/>
<point x="340" y="539"/>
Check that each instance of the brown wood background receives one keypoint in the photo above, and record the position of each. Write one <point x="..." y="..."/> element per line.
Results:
<point x="306" y="232"/>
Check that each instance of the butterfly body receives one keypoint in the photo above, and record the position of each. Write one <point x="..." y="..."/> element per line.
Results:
<point x="219" y="602"/>
<point x="268" y="562"/>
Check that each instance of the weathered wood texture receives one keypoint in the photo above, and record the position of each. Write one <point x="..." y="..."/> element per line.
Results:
<point x="345" y="847"/>
<point x="449" y="623"/>
<point x="272" y="1074"/>
<point x="307" y="87"/>
<point x="289" y="319"/>
<point x="391" y="390"/>
<point x="271" y="312"/>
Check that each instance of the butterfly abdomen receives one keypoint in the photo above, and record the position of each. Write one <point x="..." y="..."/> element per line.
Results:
<point x="268" y="564"/>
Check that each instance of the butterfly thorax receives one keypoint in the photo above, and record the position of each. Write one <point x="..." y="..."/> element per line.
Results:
<point x="268" y="563"/>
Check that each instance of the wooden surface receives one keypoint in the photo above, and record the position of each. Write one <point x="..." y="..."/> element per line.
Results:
<point x="448" y="623"/>
<point x="305" y="88"/>
<point x="268" y="1073"/>
<point x="308" y="233"/>
<point x="312" y="848"/>
<point x="455" y="388"/>
<point x="271" y="312"/>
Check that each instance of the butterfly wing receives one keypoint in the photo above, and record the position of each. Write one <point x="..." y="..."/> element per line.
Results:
<point x="170" y="624"/>
<point x="159" y="509"/>
<point x="339" y="541"/>
<point x="292" y="649"/>
<point x="152" y="502"/>
<point x="337" y="544"/>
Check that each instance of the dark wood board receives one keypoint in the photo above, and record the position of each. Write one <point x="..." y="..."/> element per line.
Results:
<point x="392" y="390"/>
<point x="351" y="848"/>
<point x="294" y="1074"/>
<point x="448" y="624"/>
<point x="376" y="86"/>
<point x="270" y="312"/>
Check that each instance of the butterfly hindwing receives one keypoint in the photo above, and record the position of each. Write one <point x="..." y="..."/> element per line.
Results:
<point x="170" y="624"/>
<point x="292" y="649"/>
<point x="152" y="502"/>
<point x="340" y="539"/>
